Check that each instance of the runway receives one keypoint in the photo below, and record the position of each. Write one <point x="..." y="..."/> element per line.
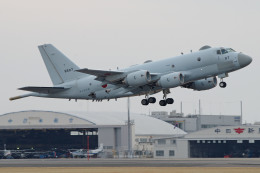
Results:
<point x="227" y="162"/>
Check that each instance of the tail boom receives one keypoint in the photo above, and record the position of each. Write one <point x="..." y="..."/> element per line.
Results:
<point x="23" y="96"/>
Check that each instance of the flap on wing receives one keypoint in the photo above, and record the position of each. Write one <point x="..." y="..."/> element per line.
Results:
<point x="99" y="73"/>
<point x="45" y="90"/>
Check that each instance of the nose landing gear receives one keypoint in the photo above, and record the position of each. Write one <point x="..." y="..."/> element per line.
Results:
<point x="222" y="84"/>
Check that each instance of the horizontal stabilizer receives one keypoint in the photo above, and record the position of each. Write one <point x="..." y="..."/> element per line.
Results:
<point x="45" y="90"/>
<point x="99" y="73"/>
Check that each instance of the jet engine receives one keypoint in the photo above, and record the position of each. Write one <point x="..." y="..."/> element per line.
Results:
<point x="203" y="84"/>
<point x="171" y="80"/>
<point x="138" y="78"/>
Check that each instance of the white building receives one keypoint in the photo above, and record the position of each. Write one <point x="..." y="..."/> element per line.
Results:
<point x="192" y="123"/>
<point x="150" y="137"/>
<point x="223" y="141"/>
<point x="45" y="129"/>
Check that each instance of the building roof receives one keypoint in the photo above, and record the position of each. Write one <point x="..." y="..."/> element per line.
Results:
<point x="144" y="125"/>
<point x="227" y="133"/>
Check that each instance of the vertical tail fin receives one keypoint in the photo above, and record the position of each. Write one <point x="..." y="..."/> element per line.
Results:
<point x="59" y="67"/>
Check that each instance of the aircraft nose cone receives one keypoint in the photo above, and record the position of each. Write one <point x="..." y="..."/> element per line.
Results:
<point x="244" y="60"/>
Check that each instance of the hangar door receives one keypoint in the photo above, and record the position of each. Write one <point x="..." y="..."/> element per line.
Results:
<point x="46" y="139"/>
<point x="224" y="148"/>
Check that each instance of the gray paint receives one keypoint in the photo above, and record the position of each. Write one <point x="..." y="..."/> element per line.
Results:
<point x="194" y="66"/>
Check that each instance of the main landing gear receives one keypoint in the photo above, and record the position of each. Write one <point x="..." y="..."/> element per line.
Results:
<point x="147" y="100"/>
<point x="163" y="102"/>
<point x="166" y="100"/>
<point x="222" y="84"/>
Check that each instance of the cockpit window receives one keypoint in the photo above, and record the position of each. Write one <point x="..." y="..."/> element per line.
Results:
<point x="223" y="51"/>
<point x="230" y="50"/>
<point x="218" y="52"/>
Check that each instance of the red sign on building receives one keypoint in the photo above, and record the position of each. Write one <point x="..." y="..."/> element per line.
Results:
<point x="239" y="130"/>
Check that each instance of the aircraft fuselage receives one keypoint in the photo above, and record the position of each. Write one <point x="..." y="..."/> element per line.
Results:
<point x="195" y="70"/>
<point x="195" y="66"/>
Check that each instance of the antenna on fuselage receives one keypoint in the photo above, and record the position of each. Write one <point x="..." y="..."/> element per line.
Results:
<point x="205" y="47"/>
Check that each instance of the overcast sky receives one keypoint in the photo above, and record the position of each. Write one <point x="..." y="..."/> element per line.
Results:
<point x="119" y="33"/>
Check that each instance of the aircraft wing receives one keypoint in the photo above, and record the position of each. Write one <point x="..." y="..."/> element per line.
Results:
<point x="104" y="75"/>
<point x="99" y="73"/>
<point x="45" y="90"/>
<point x="112" y="76"/>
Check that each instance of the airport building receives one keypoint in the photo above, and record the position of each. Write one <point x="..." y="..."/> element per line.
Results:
<point x="45" y="130"/>
<point x="192" y="123"/>
<point x="150" y="137"/>
<point x="208" y="136"/>
<point x="217" y="142"/>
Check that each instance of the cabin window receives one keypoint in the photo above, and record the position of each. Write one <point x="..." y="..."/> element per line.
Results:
<point x="223" y="51"/>
<point x="218" y="52"/>
<point x="230" y="50"/>
<point x="199" y="59"/>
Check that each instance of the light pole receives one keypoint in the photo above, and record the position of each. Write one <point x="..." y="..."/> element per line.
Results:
<point x="129" y="127"/>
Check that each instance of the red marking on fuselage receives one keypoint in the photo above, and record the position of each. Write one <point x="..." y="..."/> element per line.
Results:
<point x="104" y="86"/>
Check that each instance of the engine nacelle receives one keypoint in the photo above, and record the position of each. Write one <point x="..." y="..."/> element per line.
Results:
<point x="171" y="80"/>
<point x="203" y="84"/>
<point x="138" y="78"/>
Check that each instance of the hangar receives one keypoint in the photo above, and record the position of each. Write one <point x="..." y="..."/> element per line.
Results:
<point x="44" y="130"/>
<point x="217" y="142"/>
<point x="228" y="141"/>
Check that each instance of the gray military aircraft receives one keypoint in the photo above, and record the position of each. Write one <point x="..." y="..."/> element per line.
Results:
<point x="196" y="70"/>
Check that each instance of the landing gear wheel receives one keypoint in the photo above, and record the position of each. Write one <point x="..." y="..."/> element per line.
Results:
<point x="169" y="101"/>
<point x="222" y="84"/>
<point x="163" y="103"/>
<point x="152" y="100"/>
<point x="145" y="102"/>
